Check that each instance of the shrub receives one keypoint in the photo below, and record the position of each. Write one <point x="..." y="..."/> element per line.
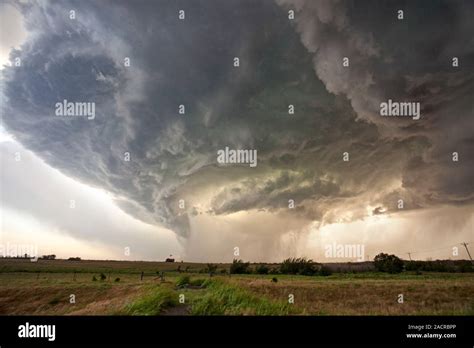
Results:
<point x="262" y="269"/>
<point x="183" y="281"/>
<point x="239" y="267"/>
<point x="226" y="299"/>
<point x="325" y="271"/>
<point x="211" y="268"/>
<point x="197" y="282"/>
<point x="103" y="276"/>
<point x="301" y="266"/>
<point x="94" y="279"/>
<point x="414" y="266"/>
<point x="117" y="279"/>
<point x="153" y="302"/>
<point x="465" y="266"/>
<point x="274" y="270"/>
<point x="388" y="263"/>
<point x="274" y="280"/>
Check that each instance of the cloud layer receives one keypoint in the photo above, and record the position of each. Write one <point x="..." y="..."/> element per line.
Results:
<point x="282" y="62"/>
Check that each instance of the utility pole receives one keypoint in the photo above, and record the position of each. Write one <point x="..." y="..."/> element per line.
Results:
<point x="465" y="245"/>
<point x="409" y="255"/>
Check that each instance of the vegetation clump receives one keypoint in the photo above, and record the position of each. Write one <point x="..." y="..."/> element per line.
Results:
<point x="239" y="267"/>
<point x="185" y="281"/>
<point x="301" y="266"/>
<point x="325" y="271"/>
<point x="226" y="299"/>
<point x="153" y="303"/>
<point x="262" y="269"/>
<point x="388" y="263"/>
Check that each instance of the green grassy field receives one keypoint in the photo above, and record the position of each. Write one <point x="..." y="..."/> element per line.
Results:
<point x="46" y="288"/>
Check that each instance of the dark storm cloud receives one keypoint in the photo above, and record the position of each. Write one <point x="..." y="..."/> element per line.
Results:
<point x="189" y="62"/>
<point x="407" y="60"/>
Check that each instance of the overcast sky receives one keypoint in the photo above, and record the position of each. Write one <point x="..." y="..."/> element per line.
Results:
<point x="47" y="160"/>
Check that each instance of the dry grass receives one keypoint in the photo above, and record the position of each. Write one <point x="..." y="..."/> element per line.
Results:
<point x="24" y="294"/>
<point x="47" y="292"/>
<point x="372" y="296"/>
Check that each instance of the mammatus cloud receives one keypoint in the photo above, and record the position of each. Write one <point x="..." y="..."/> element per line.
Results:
<point x="282" y="62"/>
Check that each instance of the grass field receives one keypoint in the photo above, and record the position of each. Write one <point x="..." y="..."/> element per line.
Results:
<point x="45" y="288"/>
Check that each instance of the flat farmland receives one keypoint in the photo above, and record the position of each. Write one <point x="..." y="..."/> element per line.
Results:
<point x="60" y="287"/>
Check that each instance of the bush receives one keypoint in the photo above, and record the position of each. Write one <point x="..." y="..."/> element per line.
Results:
<point x="94" y="279"/>
<point x="325" y="271"/>
<point x="465" y="266"/>
<point x="153" y="302"/>
<point x="262" y="269"/>
<point x="103" y="276"/>
<point x="274" y="280"/>
<point x="198" y="282"/>
<point x="239" y="267"/>
<point x="388" y="263"/>
<point x="226" y="299"/>
<point x="117" y="279"/>
<point x="183" y="281"/>
<point x="274" y="270"/>
<point x="298" y="266"/>
<point x="211" y="268"/>
<point x="414" y="266"/>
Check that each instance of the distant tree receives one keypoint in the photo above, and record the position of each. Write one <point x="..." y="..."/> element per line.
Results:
<point x="211" y="269"/>
<point x="325" y="271"/>
<point x="465" y="266"/>
<point x="262" y="269"/>
<point x="239" y="267"/>
<point x="388" y="263"/>
<point x="301" y="266"/>
<point x="274" y="270"/>
<point x="49" y="257"/>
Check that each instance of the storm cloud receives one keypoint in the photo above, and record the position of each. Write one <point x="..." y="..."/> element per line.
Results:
<point x="190" y="62"/>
